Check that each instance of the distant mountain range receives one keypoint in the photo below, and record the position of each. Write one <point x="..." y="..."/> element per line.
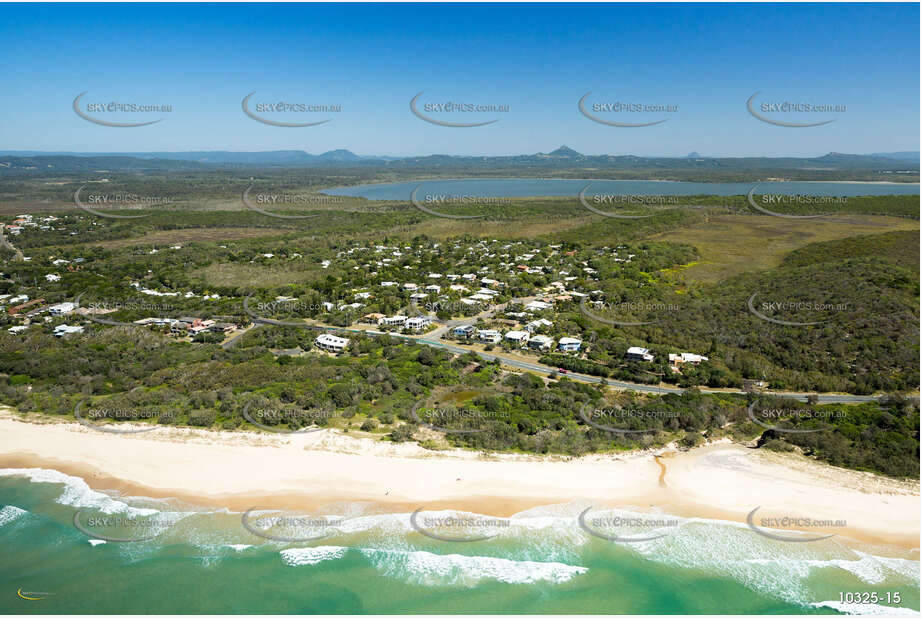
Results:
<point x="906" y="155"/>
<point x="564" y="157"/>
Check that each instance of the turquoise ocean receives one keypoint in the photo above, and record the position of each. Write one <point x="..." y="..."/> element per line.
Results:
<point x="202" y="560"/>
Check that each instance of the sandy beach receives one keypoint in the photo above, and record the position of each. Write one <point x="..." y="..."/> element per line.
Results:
<point x="307" y="471"/>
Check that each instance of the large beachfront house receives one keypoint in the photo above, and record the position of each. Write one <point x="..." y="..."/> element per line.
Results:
<point x="331" y="343"/>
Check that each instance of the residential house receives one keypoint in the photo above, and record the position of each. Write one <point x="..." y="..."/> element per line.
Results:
<point x="62" y="309"/>
<point x="489" y="336"/>
<point x="331" y="343"/>
<point x="417" y="323"/>
<point x="464" y="332"/>
<point x="636" y="353"/>
<point x="540" y="342"/>
<point x="63" y="329"/>
<point x="569" y="344"/>
<point x="685" y="357"/>
<point x="517" y="337"/>
<point x="536" y="324"/>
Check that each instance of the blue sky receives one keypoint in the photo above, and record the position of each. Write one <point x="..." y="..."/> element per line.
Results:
<point x="538" y="59"/>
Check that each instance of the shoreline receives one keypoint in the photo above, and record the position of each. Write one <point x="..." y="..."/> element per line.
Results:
<point x="324" y="190"/>
<point x="720" y="481"/>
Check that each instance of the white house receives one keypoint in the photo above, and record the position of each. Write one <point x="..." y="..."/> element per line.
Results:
<point x="533" y="326"/>
<point x="639" y="354"/>
<point x="540" y="342"/>
<point x="518" y="337"/>
<point x="489" y="336"/>
<point x="62" y="308"/>
<point x="537" y="305"/>
<point x="686" y="357"/>
<point x="395" y="320"/>
<point x="569" y="344"/>
<point x="63" y="329"/>
<point x="417" y="323"/>
<point x="331" y="343"/>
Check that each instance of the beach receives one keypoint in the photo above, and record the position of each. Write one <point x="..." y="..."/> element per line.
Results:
<point x="241" y="470"/>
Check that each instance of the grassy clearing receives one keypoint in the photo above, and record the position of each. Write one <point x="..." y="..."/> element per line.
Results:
<point x="732" y="244"/>
<point x="195" y="234"/>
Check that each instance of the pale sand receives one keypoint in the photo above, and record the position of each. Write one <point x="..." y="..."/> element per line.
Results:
<point x="242" y="470"/>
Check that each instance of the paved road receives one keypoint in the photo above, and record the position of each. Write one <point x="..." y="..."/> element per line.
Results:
<point x="543" y="369"/>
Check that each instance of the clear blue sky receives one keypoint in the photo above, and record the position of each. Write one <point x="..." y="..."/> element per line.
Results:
<point x="538" y="59"/>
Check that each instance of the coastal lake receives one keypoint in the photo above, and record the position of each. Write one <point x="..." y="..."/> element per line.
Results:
<point x="192" y="559"/>
<point x="533" y="187"/>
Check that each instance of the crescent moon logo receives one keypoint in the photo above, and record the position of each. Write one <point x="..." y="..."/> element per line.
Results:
<point x="259" y="318"/>
<point x="414" y="413"/>
<point x="286" y="539"/>
<point x="92" y="211"/>
<point x="444" y="123"/>
<point x="249" y="418"/>
<point x="413" y="521"/>
<point x="589" y="421"/>
<point x="780" y="537"/>
<point x="79" y="526"/>
<point x="613" y="537"/>
<point x="780" y="123"/>
<point x="106" y="123"/>
<point x="588" y="313"/>
<point x="776" y="214"/>
<point x="249" y="205"/>
<point x="583" y="201"/>
<point x="87" y="423"/>
<point x="751" y="307"/>
<point x="418" y="204"/>
<point x="611" y="123"/>
<point x="275" y="123"/>
<point x="751" y="417"/>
